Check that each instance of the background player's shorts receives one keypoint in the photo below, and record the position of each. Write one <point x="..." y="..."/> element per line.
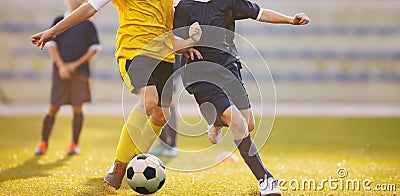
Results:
<point x="144" y="71"/>
<point x="74" y="91"/>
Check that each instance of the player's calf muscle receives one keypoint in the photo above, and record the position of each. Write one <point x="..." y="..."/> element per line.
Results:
<point x="237" y="123"/>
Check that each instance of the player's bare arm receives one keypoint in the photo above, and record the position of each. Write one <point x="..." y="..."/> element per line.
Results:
<point x="86" y="57"/>
<point x="63" y="71"/>
<point x="55" y="55"/>
<point x="79" y="15"/>
<point x="271" y="16"/>
<point x="184" y="47"/>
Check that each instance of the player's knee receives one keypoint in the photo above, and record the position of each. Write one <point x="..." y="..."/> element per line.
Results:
<point x="239" y="127"/>
<point x="77" y="109"/>
<point x="239" y="124"/>
<point x="159" y="116"/>
<point x="53" y="110"/>
<point x="159" y="121"/>
<point x="150" y="105"/>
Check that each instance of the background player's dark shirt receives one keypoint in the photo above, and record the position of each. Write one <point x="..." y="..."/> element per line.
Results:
<point x="74" y="43"/>
<point x="216" y="13"/>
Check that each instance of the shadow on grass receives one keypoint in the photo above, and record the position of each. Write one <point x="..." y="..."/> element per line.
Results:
<point x="96" y="186"/>
<point x="31" y="168"/>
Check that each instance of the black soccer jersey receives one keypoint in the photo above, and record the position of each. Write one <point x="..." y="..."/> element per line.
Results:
<point x="74" y="43"/>
<point x="216" y="43"/>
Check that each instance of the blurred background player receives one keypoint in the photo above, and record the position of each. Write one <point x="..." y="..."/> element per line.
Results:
<point x="145" y="56"/>
<point x="223" y="88"/>
<point x="70" y="52"/>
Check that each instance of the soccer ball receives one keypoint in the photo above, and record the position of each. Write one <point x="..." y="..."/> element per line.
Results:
<point x="145" y="173"/>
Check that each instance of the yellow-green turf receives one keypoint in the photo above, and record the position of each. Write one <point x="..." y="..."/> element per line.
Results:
<point x="299" y="149"/>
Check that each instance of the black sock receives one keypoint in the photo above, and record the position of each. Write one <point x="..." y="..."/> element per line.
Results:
<point x="250" y="155"/>
<point x="77" y="126"/>
<point x="47" y="127"/>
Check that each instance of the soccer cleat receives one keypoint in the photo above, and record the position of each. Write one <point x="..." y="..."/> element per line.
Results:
<point x="214" y="133"/>
<point x="73" y="149"/>
<point x="41" y="148"/>
<point x="170" y="152"/>
<point x="115" y="174"/>
<point x="269" y="186"/>
<point x="157" y="150"/>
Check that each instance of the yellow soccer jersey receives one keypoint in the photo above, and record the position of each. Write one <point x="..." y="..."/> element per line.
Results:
<point x="145" y="29"/>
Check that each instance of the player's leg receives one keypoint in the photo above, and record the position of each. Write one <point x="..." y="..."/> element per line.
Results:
<point x="167" y="138"/>
<point x="207" y="96"/>
<point x="132" y="128"/>
<point x="77" y="122"/>
<point x="138" y="77"/>
<point x="147" y="88"/>
<point x="170" y="143"/>
<point x="171" y="127"/>
<point x="164" y="83"/>
<point x="153" y="128"/>
<point x="249" y="117"/>
<point x="215" y="131"/>
<point x="135" y="76"/>
<point x="135" y="123"/>
<point x="241" y="100"/>
<point x="47" y="128"/>
<point x="236" y="122"/>
<point x="239" y="128"/>
<point x="159" y="149"/>
<point x="163" y="138"/>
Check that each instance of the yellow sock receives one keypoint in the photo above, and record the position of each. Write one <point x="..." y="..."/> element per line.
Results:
<point x="150" y="133"/>
<point x="133" y="128"/>
<point x="155" y="128"/>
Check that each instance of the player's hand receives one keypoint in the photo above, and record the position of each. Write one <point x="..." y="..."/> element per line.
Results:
<point x="40" y="39"/>
<point x="64" y="72"/>
<point x="191" y="53"/>
<point x="195" y="32"/>
<point x="301" y="19"/>
<point x="71" y="66"/>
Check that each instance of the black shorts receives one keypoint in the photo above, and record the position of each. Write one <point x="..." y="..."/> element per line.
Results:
<point x="144" y="71"/>
<point x="220" y="97"/>
<point x="74" y="91"/>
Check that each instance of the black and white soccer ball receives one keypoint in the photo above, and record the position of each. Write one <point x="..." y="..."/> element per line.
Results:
<point x="145" y="173"/>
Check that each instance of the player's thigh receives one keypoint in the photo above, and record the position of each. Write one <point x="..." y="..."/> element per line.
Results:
<point x="137" y="72"/>
<point x="212" y="101"/>
<point x="240" y="99"/>
<point x="162" y="77"/>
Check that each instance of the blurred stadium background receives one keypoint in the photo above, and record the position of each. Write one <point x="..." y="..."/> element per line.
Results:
<point x="350" y="53"/>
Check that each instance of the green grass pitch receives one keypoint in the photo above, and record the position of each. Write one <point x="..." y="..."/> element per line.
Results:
<point x="300" y="149"/>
